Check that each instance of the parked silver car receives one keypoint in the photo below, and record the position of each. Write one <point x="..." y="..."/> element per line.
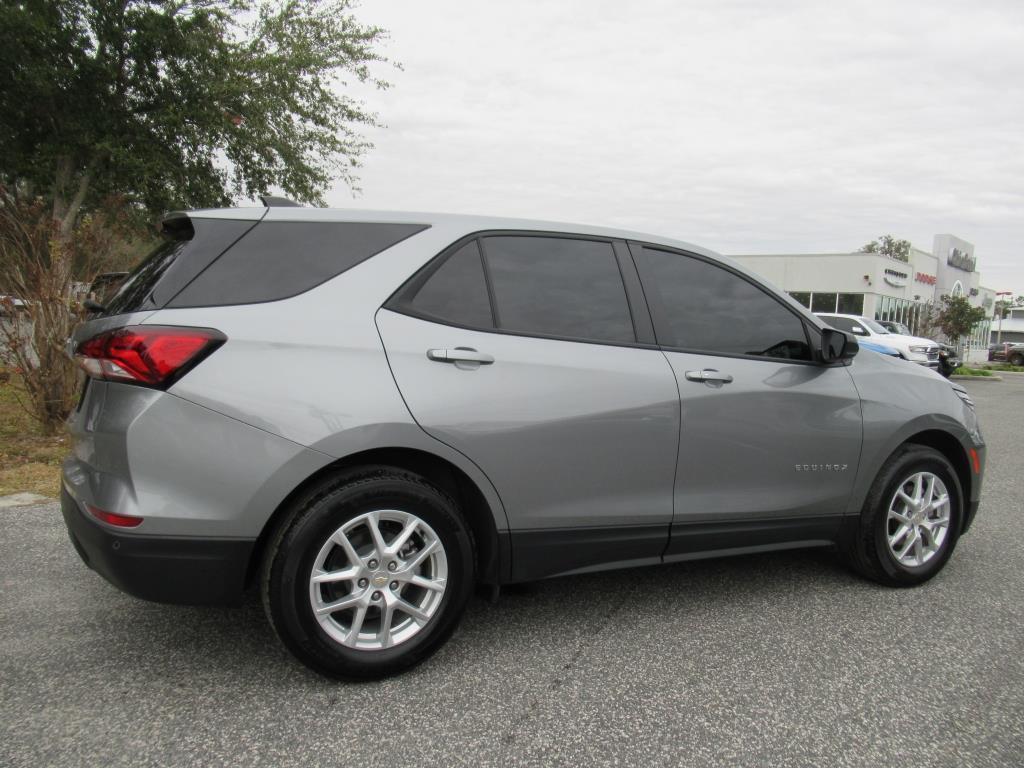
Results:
<point x="365" y="415"/>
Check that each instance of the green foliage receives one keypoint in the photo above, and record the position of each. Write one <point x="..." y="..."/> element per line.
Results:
<point x="957" y="317"/>
<point x="887" y="245"/>
<point x="179" y="104"/>
<point x="112" y="111"/>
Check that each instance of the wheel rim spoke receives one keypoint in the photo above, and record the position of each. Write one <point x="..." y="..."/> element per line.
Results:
<point x="373" y="525"/>
<point x="379" y="597"/>
<point x="437" y="585"/>
<point x="341" y="539"/>
<point x="328" y="577"/>
<point x="357" y="624"/>
<point x="337" y="605"/>
<point x="387" y="616"/>
<point x="410" y="528"/>
<point x="413" y="611"/>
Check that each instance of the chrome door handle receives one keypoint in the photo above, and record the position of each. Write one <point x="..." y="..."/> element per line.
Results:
<point x="709" y="374"/>
<point x="459" y="355"/>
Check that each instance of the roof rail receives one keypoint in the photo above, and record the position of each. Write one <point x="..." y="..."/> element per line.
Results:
<point x="278" y="202"/>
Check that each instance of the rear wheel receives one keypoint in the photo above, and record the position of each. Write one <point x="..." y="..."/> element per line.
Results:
<point x="910" y="521"/>
<point x="370" y="574"/>
<point x="1017" y="360"/>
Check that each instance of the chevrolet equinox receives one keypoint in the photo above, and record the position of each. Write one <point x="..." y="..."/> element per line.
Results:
<point x="366" y="415"/>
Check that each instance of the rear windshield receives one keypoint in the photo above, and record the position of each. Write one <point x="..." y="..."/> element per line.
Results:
<point x="188" y="247"/>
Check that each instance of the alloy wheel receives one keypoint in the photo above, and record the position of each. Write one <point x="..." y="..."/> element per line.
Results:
<point x="918" y="521"/>
<point x="378" y="580"/>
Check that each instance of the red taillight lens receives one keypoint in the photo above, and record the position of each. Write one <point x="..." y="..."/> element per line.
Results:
<point x="152" y="355"/>
<point x="110" y="518"/>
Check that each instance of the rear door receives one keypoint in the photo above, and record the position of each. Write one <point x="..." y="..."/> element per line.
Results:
<point x="769" y="440"/>
<point x="528" y="354"/>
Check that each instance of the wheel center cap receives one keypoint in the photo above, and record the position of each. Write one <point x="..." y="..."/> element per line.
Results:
<point x="379" y="580"/>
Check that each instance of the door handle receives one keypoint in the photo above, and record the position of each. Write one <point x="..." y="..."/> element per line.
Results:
<point x="709" y="375"/>
<point x="459" y="355"/>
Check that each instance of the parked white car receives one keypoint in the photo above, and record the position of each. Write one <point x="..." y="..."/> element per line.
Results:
<point x="913" y="348"/>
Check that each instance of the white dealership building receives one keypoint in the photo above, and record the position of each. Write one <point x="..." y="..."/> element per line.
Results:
<point x="884" y="288"/>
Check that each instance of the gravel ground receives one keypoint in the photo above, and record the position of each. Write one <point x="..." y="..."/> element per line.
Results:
<point x="778" y="660"/>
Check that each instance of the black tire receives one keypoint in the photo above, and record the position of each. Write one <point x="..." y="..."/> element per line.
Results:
<point x="867" y="547"/>
<point x="1017" y="360"/>
<point x="292" y="550"/>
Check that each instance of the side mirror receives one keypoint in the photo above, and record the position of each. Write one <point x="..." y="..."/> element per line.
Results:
<point x="837" y="346"/>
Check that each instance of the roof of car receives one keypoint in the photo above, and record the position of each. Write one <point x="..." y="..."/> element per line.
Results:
<point x="839" y="314"/>
<point x="468" y="223"/>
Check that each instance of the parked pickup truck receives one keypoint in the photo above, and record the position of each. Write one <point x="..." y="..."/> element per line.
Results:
<point x="1007" y="352"/>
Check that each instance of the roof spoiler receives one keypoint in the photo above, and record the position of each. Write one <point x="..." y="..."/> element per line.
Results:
<point x="278" y="202"/>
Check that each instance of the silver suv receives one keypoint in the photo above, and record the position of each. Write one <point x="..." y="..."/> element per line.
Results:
<point x="366" y="416"/>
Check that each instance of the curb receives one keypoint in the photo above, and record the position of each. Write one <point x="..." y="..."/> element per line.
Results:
<point x="955" y="377"/>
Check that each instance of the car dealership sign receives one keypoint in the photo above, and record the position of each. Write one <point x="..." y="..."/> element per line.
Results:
<point x="927" y="279"/>
<point x="961" y="260"/>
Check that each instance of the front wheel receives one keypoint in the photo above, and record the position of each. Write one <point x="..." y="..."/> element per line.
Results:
<point x="910" y="521"/>
<point x="370" y="574"/>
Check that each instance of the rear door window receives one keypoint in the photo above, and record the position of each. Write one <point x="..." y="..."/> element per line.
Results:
<point x="456" y="292"/>
<point x="558" y="286"/>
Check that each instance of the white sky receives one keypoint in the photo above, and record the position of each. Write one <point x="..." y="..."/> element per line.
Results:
<point x="741" y="125"/>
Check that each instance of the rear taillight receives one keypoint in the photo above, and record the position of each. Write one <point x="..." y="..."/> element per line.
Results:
<point x="150" y="355"/>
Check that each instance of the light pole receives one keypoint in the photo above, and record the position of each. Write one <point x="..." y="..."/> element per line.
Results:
<point x="999" y="333"/>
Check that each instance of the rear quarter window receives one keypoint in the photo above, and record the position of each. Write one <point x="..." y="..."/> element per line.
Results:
<point x="277" y="260"/>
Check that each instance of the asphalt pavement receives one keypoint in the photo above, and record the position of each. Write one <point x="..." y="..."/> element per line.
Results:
<point x="782" y="660"/>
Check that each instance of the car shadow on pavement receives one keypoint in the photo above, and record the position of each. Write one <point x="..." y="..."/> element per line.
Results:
<point x="206" y="643"/>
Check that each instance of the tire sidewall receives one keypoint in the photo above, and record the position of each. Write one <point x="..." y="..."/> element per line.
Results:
<point x="292" y="568"/>
<point x="917" y="460"/>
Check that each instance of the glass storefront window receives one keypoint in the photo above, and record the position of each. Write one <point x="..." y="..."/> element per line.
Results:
<point x="803" y="297"/>
<point x="882" y="309"/>
<point x="850" y="304"/>
<point x="823" y="302"/>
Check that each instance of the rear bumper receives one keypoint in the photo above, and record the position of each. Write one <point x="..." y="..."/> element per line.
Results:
<point x="164" y="569"/>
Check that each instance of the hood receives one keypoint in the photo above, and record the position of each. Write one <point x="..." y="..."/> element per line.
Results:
<point x="915" y="340"/>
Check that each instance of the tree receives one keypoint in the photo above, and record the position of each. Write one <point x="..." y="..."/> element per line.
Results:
<point x="175" y="104"/>
<point x="957" y="317"/>
<point x="117" y="110"/>
<point x="887" y="245"/>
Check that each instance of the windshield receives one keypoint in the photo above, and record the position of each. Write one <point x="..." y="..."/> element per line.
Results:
<point x="876" y="327"/>
<point x="136" y="288"/>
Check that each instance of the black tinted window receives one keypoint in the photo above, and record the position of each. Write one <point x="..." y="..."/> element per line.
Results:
<point x="558" y="286"/>
<point x="457" y="291"/>
<point x="711" y="309"/>
<point x="187" y="248"/>
<point x="844" y="324"/>
<point x="281" y="259"/>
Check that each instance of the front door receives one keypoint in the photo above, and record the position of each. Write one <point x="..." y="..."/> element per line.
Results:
<point x="521" y="353"/>
<point x="769" y="439"/>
